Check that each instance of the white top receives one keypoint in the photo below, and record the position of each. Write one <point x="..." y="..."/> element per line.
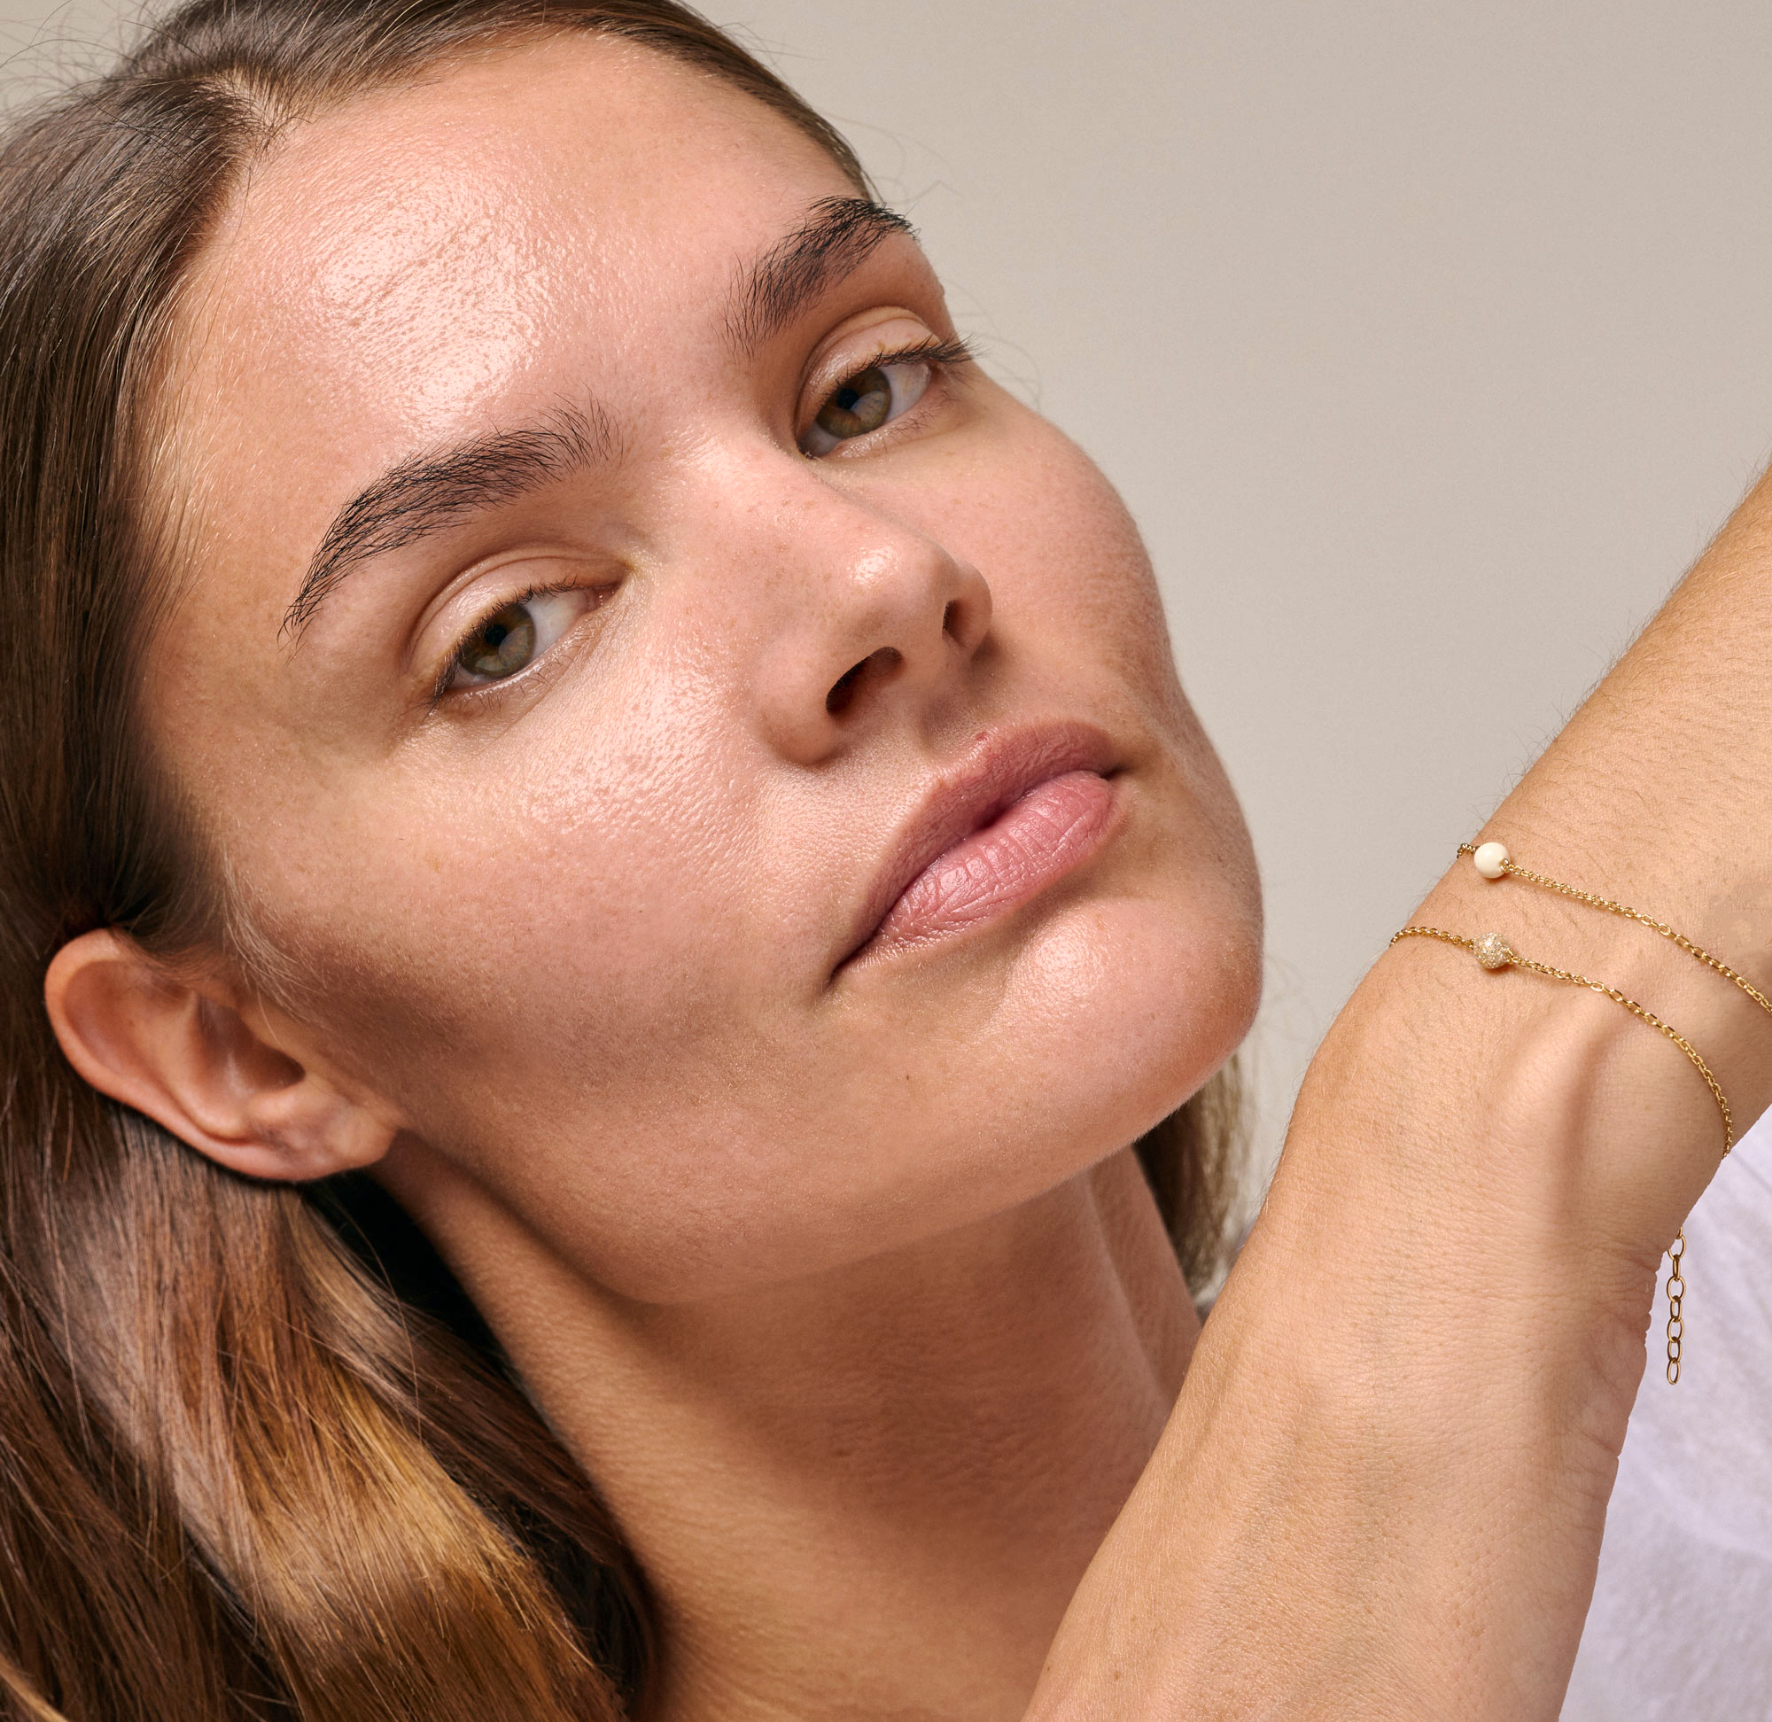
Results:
<point x="1681" y="1624"/>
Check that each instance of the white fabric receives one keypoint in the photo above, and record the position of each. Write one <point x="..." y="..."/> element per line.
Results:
<point x="1681" y="1624"/>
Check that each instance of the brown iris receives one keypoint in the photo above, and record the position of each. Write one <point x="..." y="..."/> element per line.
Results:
<point x="860" y="405"/>
<point x="501" y="645"/>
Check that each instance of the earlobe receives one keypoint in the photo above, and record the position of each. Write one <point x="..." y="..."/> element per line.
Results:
<point x="193" y="1062"/>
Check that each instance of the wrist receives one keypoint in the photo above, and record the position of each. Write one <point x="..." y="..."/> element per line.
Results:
<point x="1506" y="1157"/>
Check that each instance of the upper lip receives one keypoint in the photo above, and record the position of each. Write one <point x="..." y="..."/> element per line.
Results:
<point x="995" y="772"/>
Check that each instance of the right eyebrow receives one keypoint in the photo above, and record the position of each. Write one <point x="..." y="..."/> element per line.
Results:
<point x="427" y="493"/>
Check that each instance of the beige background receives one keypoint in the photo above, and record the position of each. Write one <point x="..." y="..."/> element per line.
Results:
<point x="1428" y="342"/>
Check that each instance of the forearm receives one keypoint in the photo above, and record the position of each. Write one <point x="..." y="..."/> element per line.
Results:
<point x="1383" y="1487"/>
<point x="1658" y="793"/>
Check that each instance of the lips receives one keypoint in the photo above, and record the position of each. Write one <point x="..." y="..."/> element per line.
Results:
<point x="1018" y="814"/>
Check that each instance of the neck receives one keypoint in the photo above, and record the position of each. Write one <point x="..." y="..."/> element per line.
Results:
<point x="870" y="1493"/>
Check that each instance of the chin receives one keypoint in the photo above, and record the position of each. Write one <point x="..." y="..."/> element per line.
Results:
<point x="1117" y="1014"/>
<point x="960" y="1083"/>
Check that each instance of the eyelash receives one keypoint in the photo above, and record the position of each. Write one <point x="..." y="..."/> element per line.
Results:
<point x="934" y="351"/>
<point x="942" y="355"/>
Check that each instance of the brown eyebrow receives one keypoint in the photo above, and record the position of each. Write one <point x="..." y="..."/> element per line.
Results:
<point x="837" y="237"/>
<point x="427" y="493"/>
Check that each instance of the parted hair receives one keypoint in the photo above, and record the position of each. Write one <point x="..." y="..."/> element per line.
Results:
<point x="259" y="1458"/>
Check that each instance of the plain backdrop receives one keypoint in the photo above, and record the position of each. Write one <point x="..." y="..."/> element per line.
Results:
<point x="1429" y="343"/>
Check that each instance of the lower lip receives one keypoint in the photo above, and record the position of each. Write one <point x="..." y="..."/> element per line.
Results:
<point x="1049" y="832"/>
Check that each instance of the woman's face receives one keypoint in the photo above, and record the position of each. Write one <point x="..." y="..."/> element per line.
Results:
<point x="712" y="759"/>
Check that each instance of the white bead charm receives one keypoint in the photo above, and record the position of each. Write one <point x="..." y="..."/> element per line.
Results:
<point x="1491" y="859"/>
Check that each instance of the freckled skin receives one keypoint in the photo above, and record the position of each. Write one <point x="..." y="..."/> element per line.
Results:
<point x="580" y="934"/>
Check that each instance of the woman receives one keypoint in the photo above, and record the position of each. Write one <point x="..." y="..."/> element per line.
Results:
<point x="558" y="694"/>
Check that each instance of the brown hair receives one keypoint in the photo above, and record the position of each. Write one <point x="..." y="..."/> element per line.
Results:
<point x="258" y="1457"/>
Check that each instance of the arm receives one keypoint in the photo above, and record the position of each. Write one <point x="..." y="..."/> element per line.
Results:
<point x="1383" y="1487"/>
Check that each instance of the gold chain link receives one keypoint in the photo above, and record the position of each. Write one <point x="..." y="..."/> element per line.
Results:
<point x="1676" y="1290"/>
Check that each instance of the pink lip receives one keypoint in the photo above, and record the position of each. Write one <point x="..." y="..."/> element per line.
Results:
<point x="1019" y="814"/>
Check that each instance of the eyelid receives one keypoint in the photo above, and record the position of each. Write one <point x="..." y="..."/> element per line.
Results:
<point x="942" y="354"/>
<point x="596" y="594"/>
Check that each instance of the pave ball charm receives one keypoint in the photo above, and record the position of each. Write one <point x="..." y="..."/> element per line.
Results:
<point x="1493" y="951"/>
<point x="1491" y="859"/>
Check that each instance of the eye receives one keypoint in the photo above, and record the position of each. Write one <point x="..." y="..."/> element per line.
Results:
<point x="513" y="637"/>
<point x="866" y="401"/>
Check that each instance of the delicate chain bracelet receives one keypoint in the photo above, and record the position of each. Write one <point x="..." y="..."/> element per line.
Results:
<point x="1493" y="952"/>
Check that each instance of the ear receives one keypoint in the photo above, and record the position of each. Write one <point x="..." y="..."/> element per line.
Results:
<point x="238" y="1090"/>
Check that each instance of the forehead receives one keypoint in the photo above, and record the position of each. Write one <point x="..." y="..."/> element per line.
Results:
<point x="426" y="258"/>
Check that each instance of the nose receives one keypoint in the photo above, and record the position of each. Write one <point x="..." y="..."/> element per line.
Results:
<point x="871" y="614"/>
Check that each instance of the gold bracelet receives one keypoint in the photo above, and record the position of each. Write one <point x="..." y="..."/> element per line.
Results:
<point x="1494" y="953"/>
<point x="1493" y="862"/>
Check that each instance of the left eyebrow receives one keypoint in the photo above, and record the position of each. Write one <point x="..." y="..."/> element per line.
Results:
<point x="838" y="235"/>
<point x="428" y="493"/>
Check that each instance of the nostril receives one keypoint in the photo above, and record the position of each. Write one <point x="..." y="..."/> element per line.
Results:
<point x="846" y="686"/>
<point x="950" y="620"/>
<point x="836" y="702"/>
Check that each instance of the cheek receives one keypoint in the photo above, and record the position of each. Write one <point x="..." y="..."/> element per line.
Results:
<point x="1066" y="565"/>
<point x="564" y="908"/>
